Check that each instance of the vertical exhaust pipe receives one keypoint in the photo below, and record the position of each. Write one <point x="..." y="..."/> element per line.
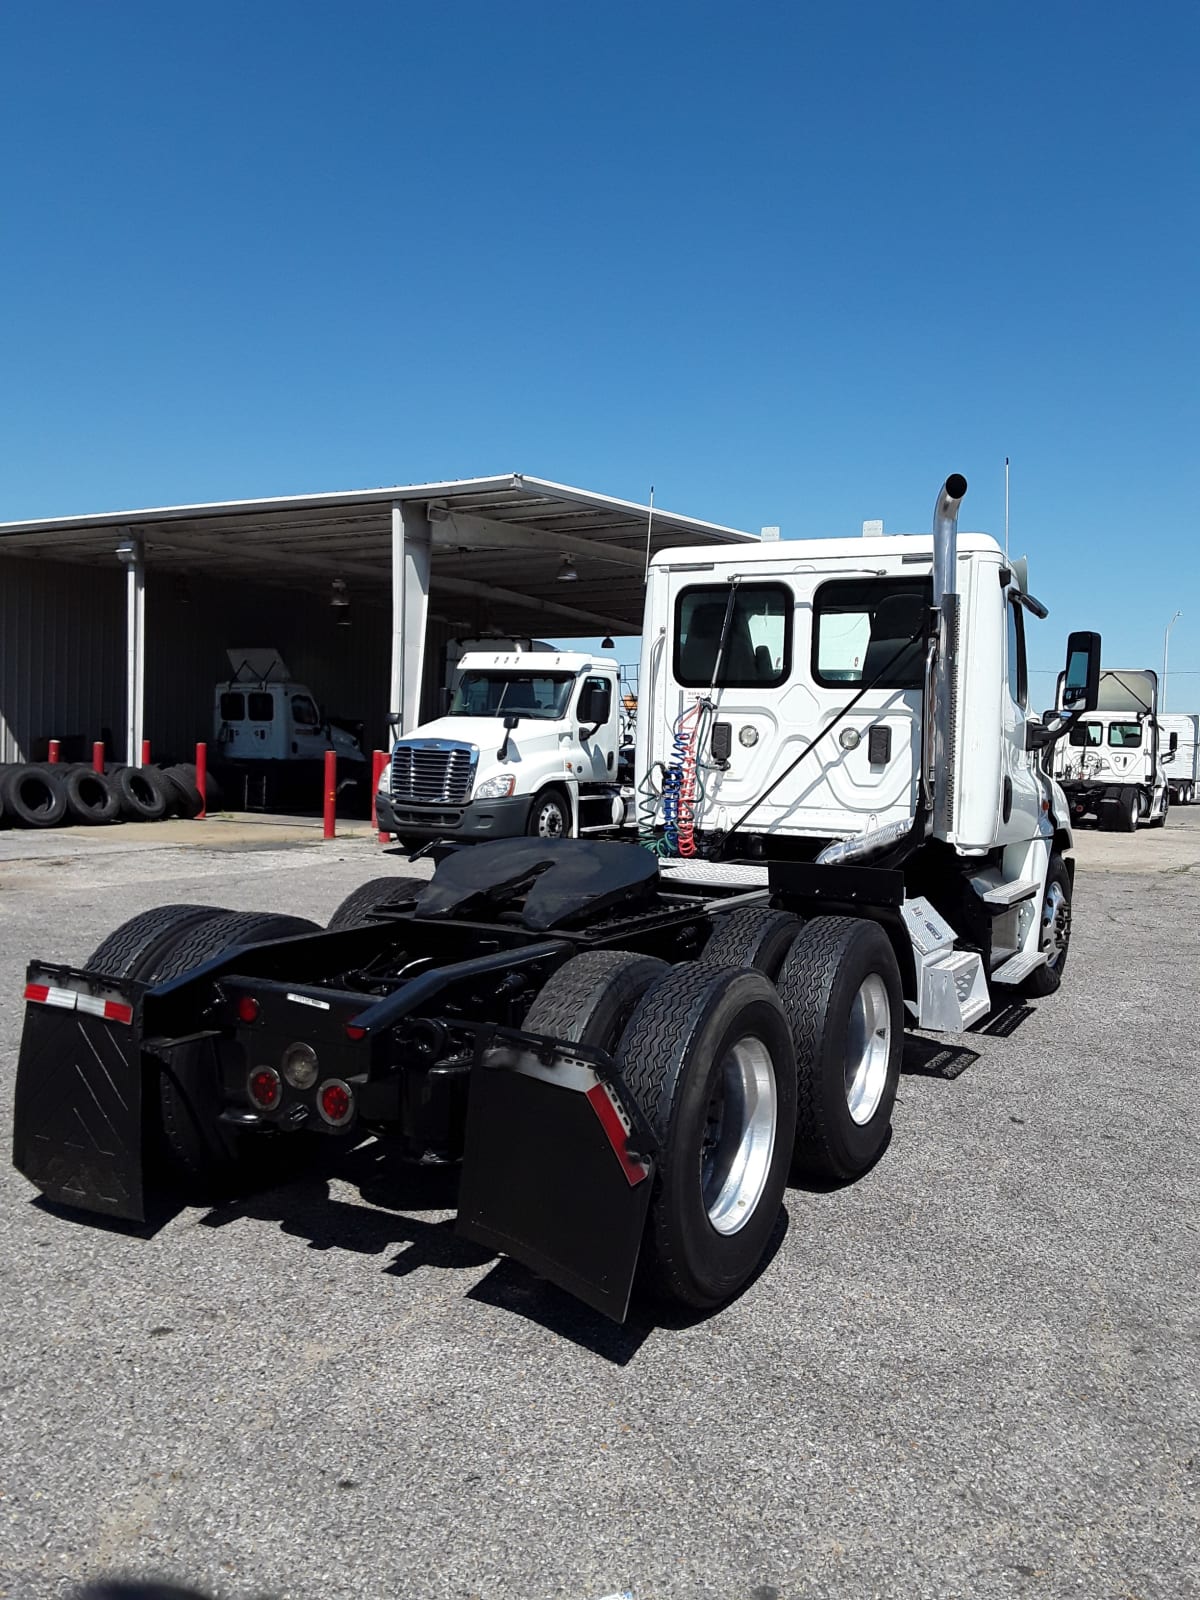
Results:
<point x="945" y="536"/>
<point x="941" y="699"/>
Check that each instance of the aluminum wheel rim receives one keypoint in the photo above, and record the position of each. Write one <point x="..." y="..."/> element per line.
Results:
<point x="739" y="1140"/>
<point x="1056" y="912"/>
<point x="868" y="1048"/>
<point x="550" y="822"/>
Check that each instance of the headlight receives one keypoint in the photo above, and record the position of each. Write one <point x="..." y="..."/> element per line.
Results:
<point x="496" y="788"/>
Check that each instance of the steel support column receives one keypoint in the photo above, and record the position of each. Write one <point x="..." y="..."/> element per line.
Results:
<point x="411" y="546"/>
<point x="131" y="554"/>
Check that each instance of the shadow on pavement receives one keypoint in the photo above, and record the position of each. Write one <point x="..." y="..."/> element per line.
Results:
<point x="931" y="1058"/>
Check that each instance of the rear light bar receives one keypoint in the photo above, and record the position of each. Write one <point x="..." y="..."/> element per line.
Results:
<point x="47" y="994"/>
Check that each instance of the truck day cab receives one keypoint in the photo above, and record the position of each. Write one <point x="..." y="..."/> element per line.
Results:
<point x="1114" y="764"/>
<point x="529" y="744"/>
<point x="847" y="829"/>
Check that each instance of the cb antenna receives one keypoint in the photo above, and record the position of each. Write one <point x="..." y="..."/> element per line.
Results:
<point x="1006" y="508"/>
<point x="649" y="529"/>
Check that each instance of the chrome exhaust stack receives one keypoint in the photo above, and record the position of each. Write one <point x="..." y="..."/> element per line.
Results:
<point x="940" y="744"/>
<point x="945" y="536"/>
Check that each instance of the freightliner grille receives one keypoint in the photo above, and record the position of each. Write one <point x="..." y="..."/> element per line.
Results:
<point x="435" y="774"/>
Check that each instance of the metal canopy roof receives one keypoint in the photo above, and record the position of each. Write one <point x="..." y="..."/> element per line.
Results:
<point x="499" y="547"/>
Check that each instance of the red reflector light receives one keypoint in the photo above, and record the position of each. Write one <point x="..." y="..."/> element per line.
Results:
<point x="37" y="991"/>
<point x="335" y="1102"/>
<point x="247" y="1008"/>
<point x="264" y="1088"/>
<point x="118" y="1011"/>
<point x="353" y="1031"/>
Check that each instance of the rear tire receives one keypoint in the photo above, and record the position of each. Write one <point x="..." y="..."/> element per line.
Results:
<point x="204" y="1157"/>
<point x="708" y="1056"/>
<point x="753" y="936"/>
<point x="355" y="909"/>
<point x="840" y="986"/>
<point x="132" y="949"/>
<point x="590" y="999"/>
<point x="1121" y="815"/>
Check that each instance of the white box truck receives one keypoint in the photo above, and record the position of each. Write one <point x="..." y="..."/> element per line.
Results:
<point x="1180" y="736"/>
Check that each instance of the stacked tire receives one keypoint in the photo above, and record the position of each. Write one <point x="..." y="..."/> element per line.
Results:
<point x="55" y="795"/>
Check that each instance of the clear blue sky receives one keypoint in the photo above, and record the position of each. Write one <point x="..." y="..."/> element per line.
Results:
<point x="790" y="263"/>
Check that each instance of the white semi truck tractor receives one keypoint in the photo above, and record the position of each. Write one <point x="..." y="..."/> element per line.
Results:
<point x="847" y="829"/>
<point x="1114" y="764"/>
<point x="529" y="744"/>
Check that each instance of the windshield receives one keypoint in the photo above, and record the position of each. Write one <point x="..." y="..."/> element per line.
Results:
<point x="541" y="696"/>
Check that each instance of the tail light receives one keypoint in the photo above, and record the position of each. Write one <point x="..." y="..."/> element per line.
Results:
<point x="335" y="1102"/>
<point x="247" y="1008"/>
<point x="264" y="1088"/>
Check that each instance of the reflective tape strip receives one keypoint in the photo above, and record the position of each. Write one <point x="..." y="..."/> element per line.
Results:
<point x="68" y="1000"/>
<point x="604" y="1103"/>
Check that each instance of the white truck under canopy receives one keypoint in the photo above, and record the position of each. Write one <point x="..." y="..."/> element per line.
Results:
<point x="512" y="555"/>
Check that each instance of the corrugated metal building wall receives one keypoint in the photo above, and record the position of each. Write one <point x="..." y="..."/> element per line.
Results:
<point x="62" y="654"/>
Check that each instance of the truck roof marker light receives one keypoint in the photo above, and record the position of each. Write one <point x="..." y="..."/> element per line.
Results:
<point x="264" y="1087"/>
<point x="335" y="1102"/>
<point x="247" y="1008"/>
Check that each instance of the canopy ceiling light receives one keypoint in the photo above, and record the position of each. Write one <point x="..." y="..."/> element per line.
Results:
<point x="338" y="593"/>
<point x="567" y="573"/>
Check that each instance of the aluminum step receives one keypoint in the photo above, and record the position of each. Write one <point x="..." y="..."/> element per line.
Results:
<point x="954" y="992"/>
<point x="1003" y="895"/>
<point x="1017" y="968"/>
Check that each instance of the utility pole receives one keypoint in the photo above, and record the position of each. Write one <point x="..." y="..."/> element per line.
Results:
<point x="1162" y="699"/>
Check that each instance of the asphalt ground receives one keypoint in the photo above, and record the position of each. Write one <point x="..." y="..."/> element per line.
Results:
<point x="973" y="1373"/>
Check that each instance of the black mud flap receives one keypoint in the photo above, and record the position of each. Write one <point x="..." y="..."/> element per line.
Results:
<point x="558" y="1166"/>
<point x="77" y="1126"/>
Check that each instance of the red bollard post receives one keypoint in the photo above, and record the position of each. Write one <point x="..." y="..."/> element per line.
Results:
<point x="330" y="794"/>
<point x="53" y="755"/>
<point x="202" y="779"/>
<point x="145" y="752"/>
<point x="98" y="756"/>
<point x="378" y="763"/>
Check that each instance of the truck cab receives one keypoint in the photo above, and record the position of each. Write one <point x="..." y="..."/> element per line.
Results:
<point x="528" y="745"/>
<point x="1112" y="764"/>
<point x="272" y="733"/>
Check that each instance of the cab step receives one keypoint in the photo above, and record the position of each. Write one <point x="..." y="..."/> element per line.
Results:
<point x="954" y="992"/>
<point x="1017" y="968"/>
<point x="1003" y="895"/>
